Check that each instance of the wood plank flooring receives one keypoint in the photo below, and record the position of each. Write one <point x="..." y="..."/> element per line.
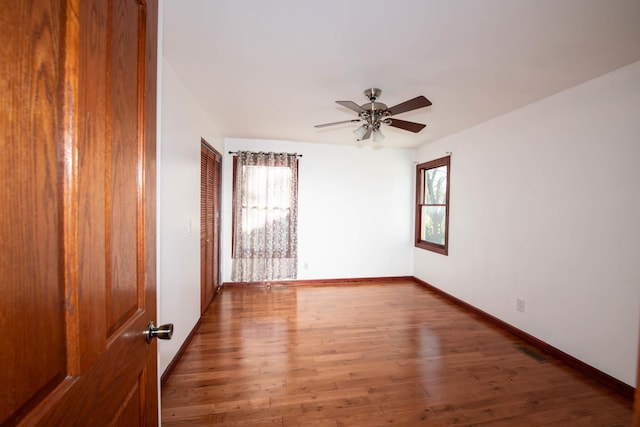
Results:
<point x="369" y="355"/>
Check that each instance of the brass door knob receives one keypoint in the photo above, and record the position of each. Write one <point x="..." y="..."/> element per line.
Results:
<point x="163" y="332"/>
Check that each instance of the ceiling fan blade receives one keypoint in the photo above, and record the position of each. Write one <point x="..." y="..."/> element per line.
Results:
<point x="336" y="123"/>
<point x="410" y="126"/>
<point x="412" y="104"/>
<point x="352" y="106"/>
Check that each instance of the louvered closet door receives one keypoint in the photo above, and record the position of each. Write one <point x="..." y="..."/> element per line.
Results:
<point x="209" y="224"/>
<point x="204" y="277"/>
<point x="216" y="222"/>
<point x="209" y="290"/>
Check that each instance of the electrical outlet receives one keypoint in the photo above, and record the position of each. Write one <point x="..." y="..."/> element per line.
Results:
<point x="520" y="305"/>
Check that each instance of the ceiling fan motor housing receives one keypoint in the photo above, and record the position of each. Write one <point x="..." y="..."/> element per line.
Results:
<point x="376" y="112"/>
<point x="375" y="106"/>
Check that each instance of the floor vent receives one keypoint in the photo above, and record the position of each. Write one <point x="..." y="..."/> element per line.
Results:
<point x="278" y="287"/>
<point x="532" y="354"/>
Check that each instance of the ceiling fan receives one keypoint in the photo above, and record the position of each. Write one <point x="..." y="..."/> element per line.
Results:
<point x="374" y="114"/>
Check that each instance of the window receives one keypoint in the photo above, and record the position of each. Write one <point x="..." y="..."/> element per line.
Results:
<point x="265" y="192"/>
<point x="432" y="205"/>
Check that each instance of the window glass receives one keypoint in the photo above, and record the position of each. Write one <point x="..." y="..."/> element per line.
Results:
<point x="432" y="205"/>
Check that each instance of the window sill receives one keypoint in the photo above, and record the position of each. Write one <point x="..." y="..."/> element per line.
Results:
<point x="440" y="249"/>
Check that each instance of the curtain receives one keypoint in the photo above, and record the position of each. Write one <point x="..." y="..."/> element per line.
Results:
<point x="265" y="229"/>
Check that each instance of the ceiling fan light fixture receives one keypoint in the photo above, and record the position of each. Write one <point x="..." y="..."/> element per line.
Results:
<point x="378" y="136"/>
<point x="359" y="133"/>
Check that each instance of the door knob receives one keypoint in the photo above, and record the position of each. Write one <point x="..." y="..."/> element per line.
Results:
<point x="163" y="332"/>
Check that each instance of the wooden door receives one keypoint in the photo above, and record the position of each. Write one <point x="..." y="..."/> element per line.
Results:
<point x="77" y="212"/>
<point x="217" y="189"/>
<point x="210" y="172"/>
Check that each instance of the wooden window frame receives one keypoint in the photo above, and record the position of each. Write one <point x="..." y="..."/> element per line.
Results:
<point x="420" y="169"/>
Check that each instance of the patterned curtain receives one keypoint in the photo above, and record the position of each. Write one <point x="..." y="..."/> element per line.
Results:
<point x="265" y="245"/>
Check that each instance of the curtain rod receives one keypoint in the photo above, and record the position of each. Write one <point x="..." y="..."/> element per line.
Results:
<point x="235" y="153"/>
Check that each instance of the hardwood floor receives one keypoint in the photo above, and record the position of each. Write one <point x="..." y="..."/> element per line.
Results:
<point x="369" y="355"/>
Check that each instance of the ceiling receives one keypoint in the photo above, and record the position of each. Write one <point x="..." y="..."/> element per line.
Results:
<point x="273" y="69"/>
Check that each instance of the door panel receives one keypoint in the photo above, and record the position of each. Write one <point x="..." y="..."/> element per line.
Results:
<point x="209" y="290"/>
<point x="204" y="243"/>
<point x="210" y="161"/>
<point x="77" y="212"/>
<point x="30" y="208"/>
<point x="217" y="174"/>
<point x="128" y="412"/>
<point x="122" y="156"/>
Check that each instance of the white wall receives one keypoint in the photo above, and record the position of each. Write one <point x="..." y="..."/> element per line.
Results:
<point x="183" y="123"/>
<point x="354" y="209"/>
<point x="545" y="207"/>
